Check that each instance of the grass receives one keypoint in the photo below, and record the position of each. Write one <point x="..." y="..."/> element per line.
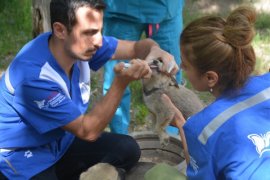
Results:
<point x="15" y="28"/>
<point x="138" y="109"/>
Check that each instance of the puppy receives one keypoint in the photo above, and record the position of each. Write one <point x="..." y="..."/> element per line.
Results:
<point x="160" y="114"/>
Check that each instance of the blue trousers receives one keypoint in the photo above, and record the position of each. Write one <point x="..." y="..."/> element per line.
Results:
<point x="166" y="34"/>
<point x="119" y="150"/>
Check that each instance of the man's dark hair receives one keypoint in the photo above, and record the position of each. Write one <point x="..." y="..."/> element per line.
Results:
<point x="63" y="11"/>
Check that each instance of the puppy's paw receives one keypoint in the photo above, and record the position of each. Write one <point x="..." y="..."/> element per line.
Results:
<point x="164" y="139"/>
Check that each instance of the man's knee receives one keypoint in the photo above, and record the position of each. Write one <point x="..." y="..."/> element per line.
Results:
<point x="134" y="148"/>
<point x="130" y="151"/>
<point x="2" y="177"/>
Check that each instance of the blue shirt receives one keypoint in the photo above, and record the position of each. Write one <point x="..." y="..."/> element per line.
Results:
<point x="36" y="100"/>
<point x="143" y="11"/>
<point x="230" y="139"/>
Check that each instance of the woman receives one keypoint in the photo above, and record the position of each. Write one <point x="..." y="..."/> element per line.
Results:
<point x="230" y="138"/>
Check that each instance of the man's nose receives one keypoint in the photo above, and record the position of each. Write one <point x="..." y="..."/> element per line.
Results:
<point x="98" y="40"/>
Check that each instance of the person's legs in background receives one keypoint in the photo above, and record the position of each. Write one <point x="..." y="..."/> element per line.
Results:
<point x="127" y="31"/>
<point x="167" y="35"/>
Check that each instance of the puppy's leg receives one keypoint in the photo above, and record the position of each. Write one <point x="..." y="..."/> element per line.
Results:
<point x="151" y="117"/>
<point x="163" y="118"/>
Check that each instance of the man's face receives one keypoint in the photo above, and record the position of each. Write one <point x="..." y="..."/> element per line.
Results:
<point x="85" y="37"/>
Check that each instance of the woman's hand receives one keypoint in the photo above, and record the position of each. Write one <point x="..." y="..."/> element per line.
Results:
<point x="179" y="119"/>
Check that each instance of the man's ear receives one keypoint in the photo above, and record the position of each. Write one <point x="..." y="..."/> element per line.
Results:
<point x="59" y="30"/>
<point x="212" y="78"/>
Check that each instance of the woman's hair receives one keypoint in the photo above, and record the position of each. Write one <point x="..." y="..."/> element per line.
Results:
<point x="212" y="43"/>
<point x="64" y="11"/>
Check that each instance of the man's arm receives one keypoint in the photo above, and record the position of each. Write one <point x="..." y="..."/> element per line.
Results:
<point x="134" y="49"/>
<point x="90" y="125"/>
<point x="145" y="49"/>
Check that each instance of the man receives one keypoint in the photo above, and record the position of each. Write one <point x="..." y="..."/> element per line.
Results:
<point x="45" y="133"/>
<point x="161" y="20"/>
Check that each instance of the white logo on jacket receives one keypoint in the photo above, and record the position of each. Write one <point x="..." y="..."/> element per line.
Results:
<point x="53" y="100"/>
<point x="261" y="142"/>
<point x="40" y="104"/>
<point x="28" y="154"/>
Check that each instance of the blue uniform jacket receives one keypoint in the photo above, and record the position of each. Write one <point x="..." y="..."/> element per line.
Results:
<point x="36" y="100"/>
<point x="230" y="139"/>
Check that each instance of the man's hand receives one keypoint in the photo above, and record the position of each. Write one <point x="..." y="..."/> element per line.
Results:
<point x="146" y="49"/>
<point x="136" y="70"/>
<point x="91" y="125"/>
<point x="169" y="64"/>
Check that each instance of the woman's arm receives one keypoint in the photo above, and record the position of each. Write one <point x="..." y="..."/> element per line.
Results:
<point x="179" y="122"/>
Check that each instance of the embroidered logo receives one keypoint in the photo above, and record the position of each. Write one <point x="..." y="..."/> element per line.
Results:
<point x="40" y="104"/>
<point x="261" y="142"/>
<point x="54" y="99"/>
<point x="194" y="165"/>
<point x="28" y="154"/>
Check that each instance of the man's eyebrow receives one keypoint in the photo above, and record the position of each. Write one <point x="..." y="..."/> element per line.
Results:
<point x="86" y="31"/>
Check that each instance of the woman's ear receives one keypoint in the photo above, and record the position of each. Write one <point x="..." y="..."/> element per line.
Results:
<point x="59" y="30"/>
<point x="212" y="78"/>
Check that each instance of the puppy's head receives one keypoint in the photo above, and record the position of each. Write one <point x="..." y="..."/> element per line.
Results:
<point x="156" y="64"/>
<point x="158" y="78"/>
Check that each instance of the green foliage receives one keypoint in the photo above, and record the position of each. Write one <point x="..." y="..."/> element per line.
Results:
<point x="139" y="110"/>
<point x="261" y="43"/>
<point x="263" y="22"/>
<point x="15" y="27"/>
<point x="189" y="16"/>
<point x="136" y="88"/>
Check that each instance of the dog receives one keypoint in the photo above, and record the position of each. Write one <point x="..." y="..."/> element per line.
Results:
<point x="160" y="114"/>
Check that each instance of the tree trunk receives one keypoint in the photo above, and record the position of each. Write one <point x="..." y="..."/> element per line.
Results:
<point x="41" y="16"/>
